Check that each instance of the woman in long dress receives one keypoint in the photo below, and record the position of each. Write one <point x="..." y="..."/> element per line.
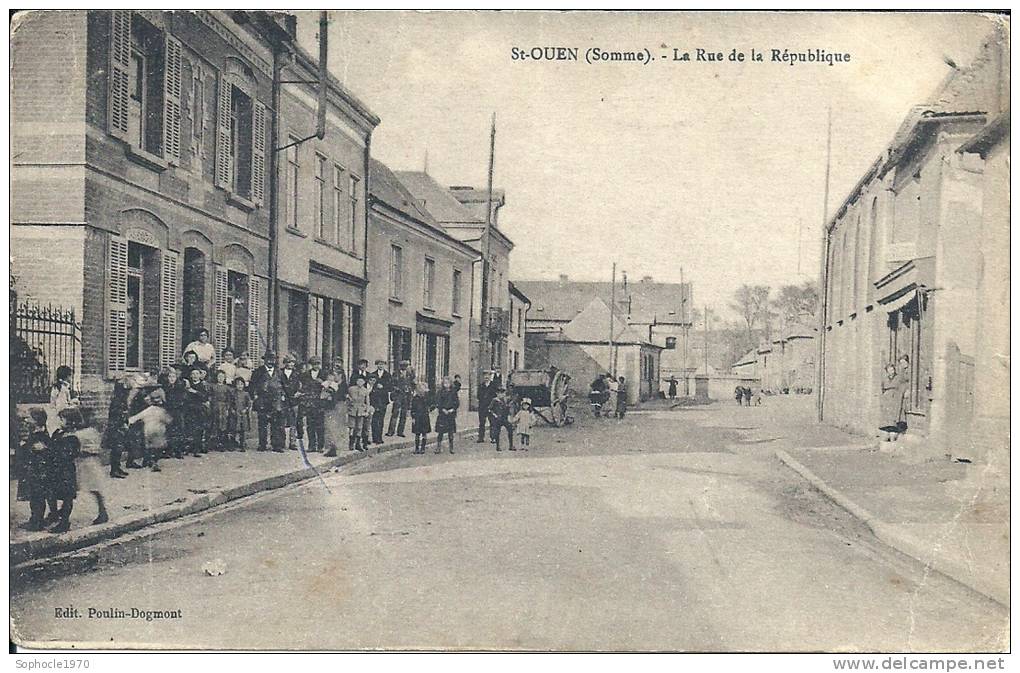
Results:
<point x="891" y="406"/>
<point x="61" y="397"/>
<point x="334" y="394"/>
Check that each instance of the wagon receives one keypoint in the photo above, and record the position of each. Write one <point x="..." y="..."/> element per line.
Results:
<point x="548" y="390"/>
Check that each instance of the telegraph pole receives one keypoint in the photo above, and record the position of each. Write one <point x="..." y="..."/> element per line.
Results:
<point x="612" y="317"/>
<point x="706" y="340"/>
<point x="683" y="326"/>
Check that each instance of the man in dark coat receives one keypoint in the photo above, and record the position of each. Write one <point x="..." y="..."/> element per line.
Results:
<point x="383" y="383"/>
<point x="268" y="401"/>
<point x="311" y="408"/>
<point x="360" y="371"/>
<point x="403" y="388"/>
<point x="486" y="393"/>
<point x="291" y="381"/>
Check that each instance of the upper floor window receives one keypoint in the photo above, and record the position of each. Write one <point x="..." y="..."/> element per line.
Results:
<point x="396" y="271"/>
<point x="429" y="282"/>
<point x="670" y="343"/>
<point x="240" y="134"/>
<point x="342" y="238"/>
<point x="456" y="291"/>
<point x="293" y="171"/>
<point x="352" y="193"/>
<point x="144" y="92"/>
<point x="320" y="196"/>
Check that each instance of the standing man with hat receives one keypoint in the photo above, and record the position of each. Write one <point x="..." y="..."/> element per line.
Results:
<point x="311" y="406"/>
<point x="403" y="388"/>
<point x="486" y="393"/>
<point x="268" y="401"/>
<point x="380" y="399"/>
<point x="291" y="381"/>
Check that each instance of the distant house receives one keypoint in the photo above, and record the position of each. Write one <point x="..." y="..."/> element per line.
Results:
<point x="582" y="348"/>
<point x="747" y="365"/>
<point x="659" y="312"/>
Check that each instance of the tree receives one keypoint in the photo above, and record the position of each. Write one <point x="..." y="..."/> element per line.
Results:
<point x="795" y="303"/>
<point x="751" y="302"/>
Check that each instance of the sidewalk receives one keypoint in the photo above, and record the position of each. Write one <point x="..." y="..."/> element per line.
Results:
<point x="183" y="487"/>
<point x="952" y="517"/>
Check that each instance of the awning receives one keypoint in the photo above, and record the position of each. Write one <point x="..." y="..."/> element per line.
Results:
<point x="896" y="303"/>
<point x="431" y="325"/>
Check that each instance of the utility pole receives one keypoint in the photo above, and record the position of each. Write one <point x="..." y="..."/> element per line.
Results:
<point x="612" y="317"/>
<point x="683" y="326"/>
<point x="706" y="340"/>
<point x="485" y="322"/>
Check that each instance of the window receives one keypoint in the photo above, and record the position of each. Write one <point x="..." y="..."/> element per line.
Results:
<point x="520" y="321"/>
<point x="353" y="222"/>
<point x="144" y="94"/>
<point x="237" y="312"/>
<point x="293" y="170"/>
<point x="456" y="292"/>
<point x="142" y="300"/>
<point x="670" y="343"/>
<point x="400" y="346"/>
<point x="343" y="239"/>
<point x="429" y="282"/>
<point x="396" y="272"/>
<point x="320" y="196"/>
<point x="240" y="134"/>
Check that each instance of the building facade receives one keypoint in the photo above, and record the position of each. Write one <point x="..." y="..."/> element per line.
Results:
<point x="902" y="273"/>
<point x="322" y="226"/>
<point x="419" y="291"/>
<point x="461" y="211"/>
<point x="518" y="317"/>
<point x="139" y="185"/>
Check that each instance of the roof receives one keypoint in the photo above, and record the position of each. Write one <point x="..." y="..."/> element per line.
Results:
<point x="647" y="301"/>
<point x="385" y="187"/>
<point x="438" y="200"/>
<point x="979" y="88"/>
<point x="591" y="323"/>
<point x="750" y="357"/>
<point x="477" y="200"/>
<point x="516" y="291"/>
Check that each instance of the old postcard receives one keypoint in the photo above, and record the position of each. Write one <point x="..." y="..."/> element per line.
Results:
<point x="520" y="330"/>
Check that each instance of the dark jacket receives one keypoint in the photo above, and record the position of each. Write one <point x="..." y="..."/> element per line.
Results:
<point x="267" y="389"/>
<point x="447" y="402"/>
<point x="358" y="373"/>
<point x="421" y="421"/>
<point x="311" y="390"/>
<point x="379" y="397"/>
<point x="64" y="474"/>
<point x="486" y="393"/>
<point x="291" y="386"/>
<point x="34" y="460"/>
<point x="499" y="411"/>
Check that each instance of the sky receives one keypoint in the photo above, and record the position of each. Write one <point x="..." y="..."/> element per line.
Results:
<point x="711" y="170"/>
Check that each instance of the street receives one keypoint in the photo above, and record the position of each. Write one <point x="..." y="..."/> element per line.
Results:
<point x="669" y="530"/>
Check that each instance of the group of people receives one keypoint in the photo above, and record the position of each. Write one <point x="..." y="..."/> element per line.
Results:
<point x="200" y="405"/>
<point x="895" y="391"/>
<point x="747" y="396"/>
<point x="504" y="413"/>
<point x="607" y="395"/>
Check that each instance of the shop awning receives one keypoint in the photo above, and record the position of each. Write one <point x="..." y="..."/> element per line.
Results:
<point x="895" y="303"/>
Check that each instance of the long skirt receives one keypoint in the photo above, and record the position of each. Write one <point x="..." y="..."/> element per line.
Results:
<point x="336" y="426"/>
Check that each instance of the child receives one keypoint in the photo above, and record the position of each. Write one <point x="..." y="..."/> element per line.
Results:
<point x="193" y="414"/>
<point x="421" y="422"/>
<point x="219" y="411"/>
<point x="523" y="421"/>
<point x="621" y="398"/>
<point x="499" y="418"/>
<point x="155" y="422"/>
<point x="66" y="449"/>
<point x="240" y="412"/>
<point x="175" y="390"/>
<point x="358" y="410"/>
<point x="35" y="458"/>
<point x="446" y="422"/>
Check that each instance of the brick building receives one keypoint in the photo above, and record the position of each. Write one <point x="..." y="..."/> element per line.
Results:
<point x="139" y="178"/>
<point x="322" y="211"/>
<point x="905" y="267"/>
<point x="461" y="211"/>
<point x="419" y="285"/>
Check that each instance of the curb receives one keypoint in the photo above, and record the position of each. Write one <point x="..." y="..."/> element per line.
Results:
<point x="899" y="540"/>
<point x="29" y="551"/>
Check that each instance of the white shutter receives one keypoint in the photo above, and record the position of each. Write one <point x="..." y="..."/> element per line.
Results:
<point x="172" y="101"/>
<point x="224" y="160"/>
<point x="168" y="302"/>
<point x="119" y="88"/>
<point x="258" y="153"/>
<point x="116" y="306"/>
<point x="222" y="297"/>
<point x="254" y="317"/>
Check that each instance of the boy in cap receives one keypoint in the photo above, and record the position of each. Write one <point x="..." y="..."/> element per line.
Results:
<point x="291" y="382"/>
<point x="311" y="406"/>
<point x="499" y="418"/>
<point x="403" y="388"/>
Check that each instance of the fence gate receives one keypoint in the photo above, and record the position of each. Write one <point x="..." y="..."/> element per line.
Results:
<point x="42" y="339"/>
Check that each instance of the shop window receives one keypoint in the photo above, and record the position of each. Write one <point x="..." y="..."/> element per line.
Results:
<point x="400" y="347"/>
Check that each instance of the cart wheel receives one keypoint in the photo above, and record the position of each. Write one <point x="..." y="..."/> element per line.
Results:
<point x="554" y="412"/>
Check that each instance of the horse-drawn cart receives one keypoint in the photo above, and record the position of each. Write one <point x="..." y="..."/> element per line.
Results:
<point x="548" y="390"/>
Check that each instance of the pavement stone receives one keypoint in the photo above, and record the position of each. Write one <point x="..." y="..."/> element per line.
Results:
<point x="944" y="514"/>
<point x="183" y="487"/>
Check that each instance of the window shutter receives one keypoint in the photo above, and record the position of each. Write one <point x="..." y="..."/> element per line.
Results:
<point x="172" y="101"/>
<point x="222" y="297"/>
<point x="120" y="72"/>
<point x="258" y="153"/>
<point x="254" y="316"/>
<point x="224" y="166"/>
<point x="168" y="302"/>
<point x="116" y="307"/>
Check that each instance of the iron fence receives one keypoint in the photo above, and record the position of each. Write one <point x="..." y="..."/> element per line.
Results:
<point x="42" y="339"/>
